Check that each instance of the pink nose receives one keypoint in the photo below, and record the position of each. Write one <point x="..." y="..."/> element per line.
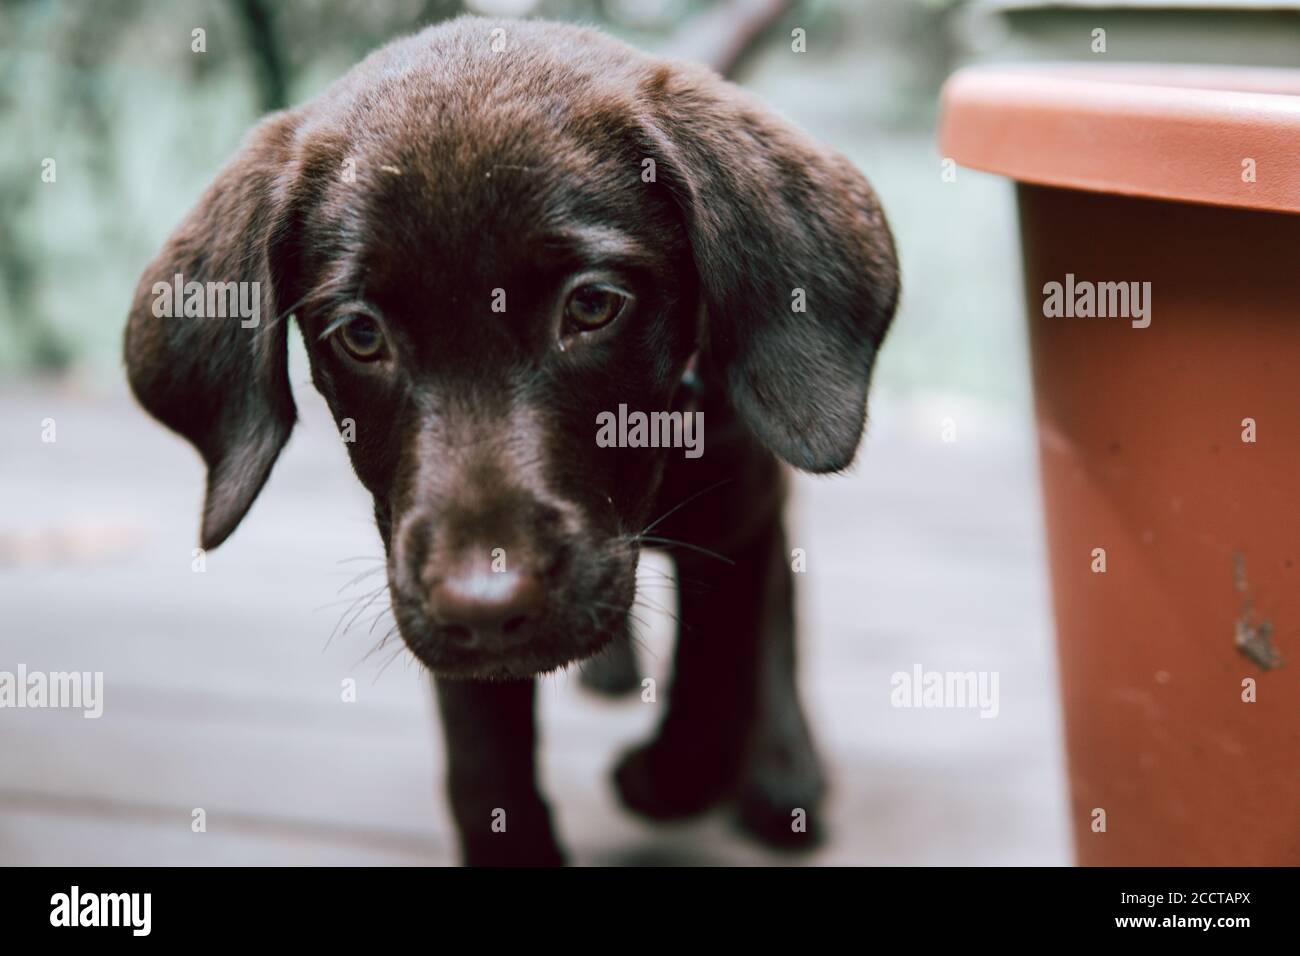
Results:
<point x="481" y="607"/>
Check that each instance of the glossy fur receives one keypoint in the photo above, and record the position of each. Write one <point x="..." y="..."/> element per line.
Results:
<point x="478" y="172"/>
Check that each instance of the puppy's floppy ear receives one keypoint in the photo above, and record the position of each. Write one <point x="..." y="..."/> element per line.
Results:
<point x="777" y="222"/>
<point x="222" y="385"/>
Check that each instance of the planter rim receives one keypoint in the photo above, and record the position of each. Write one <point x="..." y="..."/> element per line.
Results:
<point x="1160" y="131"/>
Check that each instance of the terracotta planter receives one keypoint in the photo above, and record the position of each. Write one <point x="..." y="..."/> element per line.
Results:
<point x="1136" y="175"/>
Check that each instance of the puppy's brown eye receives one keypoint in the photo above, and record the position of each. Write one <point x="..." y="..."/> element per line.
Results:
<point x="592" y="306"/>
<point x="363" y="339"/>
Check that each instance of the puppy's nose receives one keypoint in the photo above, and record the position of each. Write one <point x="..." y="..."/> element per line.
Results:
<point x="481" y="608"/>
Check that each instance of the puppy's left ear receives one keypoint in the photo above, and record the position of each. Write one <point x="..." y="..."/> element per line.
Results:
<point x="795" y="260"/>
<point x="222" y="381"/>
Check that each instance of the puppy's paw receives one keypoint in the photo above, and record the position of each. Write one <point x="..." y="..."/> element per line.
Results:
<point x="502" y="850"/>
<point x="526" y="836"/>
<point x="781" y="796"/>
<point x="663" y="780"/>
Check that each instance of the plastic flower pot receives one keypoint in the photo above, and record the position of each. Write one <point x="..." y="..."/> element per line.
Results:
<point x="1170" y="451"/>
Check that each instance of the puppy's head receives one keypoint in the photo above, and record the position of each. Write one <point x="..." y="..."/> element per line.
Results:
<point x="490" y="233"/>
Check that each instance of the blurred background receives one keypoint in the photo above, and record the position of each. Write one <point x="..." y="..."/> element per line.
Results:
<point x="223" y="688"/>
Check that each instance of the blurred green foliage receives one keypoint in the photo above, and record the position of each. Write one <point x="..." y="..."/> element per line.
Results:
<point x="137" y="123"/>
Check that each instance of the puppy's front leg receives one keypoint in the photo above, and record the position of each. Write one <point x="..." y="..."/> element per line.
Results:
<point x="734" y="724"/>
<point x="492" y="780"/>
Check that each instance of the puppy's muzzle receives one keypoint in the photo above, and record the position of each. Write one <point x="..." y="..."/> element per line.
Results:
<point x="479" y="609"/>
<point x="502" y="588"/>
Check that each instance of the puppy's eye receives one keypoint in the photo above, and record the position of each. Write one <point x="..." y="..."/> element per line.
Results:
<point x="363" y="339"/>
<point x="592" y="306"/>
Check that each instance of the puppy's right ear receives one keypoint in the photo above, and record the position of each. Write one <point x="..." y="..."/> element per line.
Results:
<point x="221" y="381"/>
<point x="797" y="268"/>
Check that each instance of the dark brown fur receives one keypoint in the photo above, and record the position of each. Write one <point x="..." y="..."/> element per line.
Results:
<point x="478" y="170"/>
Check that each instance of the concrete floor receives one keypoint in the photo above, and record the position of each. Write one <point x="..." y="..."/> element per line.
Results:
<point x="223" y="692"/>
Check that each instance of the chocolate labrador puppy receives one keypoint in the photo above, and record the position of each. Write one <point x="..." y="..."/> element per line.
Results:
<point x="493" y="234"/>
